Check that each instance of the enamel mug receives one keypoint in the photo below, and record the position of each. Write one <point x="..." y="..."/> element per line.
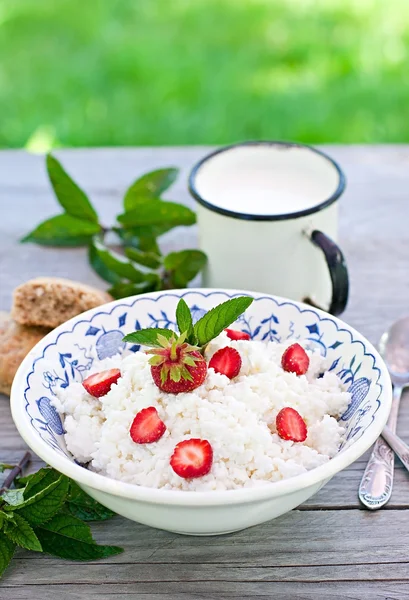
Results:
<point x="268" y="214"/>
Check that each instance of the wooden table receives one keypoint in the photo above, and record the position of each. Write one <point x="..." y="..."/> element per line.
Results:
<point x="330" y="547"/>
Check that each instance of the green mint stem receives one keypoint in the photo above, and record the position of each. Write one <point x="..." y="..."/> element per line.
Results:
<point x="16" y="471"/>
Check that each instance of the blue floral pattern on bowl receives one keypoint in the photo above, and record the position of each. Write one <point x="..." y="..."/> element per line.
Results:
<point x="71" y="350"/>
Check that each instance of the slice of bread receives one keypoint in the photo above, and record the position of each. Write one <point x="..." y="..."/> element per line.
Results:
<point x="15" y="342"/>
<point x="50" y="301"/>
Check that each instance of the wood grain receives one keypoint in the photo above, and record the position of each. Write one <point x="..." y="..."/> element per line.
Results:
<point x="330" y="548"/>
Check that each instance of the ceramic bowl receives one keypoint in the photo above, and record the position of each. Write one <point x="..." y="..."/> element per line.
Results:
<point x="64" y="356"/>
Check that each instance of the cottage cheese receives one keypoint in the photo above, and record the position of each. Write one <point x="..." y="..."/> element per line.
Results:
<point x="236" y="416"/>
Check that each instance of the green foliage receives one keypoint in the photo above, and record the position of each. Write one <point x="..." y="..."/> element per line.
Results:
<point x="5" y="467"/>
<point x="69" y="195"/>
<point x="49" y="514"/>
<point x="148" y="337"/>
<point x="68" y="537"/>
<point x="141" y="267"/>
<point x="21" y="533"/>
<point x="220" y="317"/>
<point x="82" y="506"/>
<point x="156" y="72"/>
<point x="7" y="548"/>
<point x="183" y="266"/>
<point x="184" y="321"/>
<point x="151" y="185"/>
<point x="199" y="334"/>
<point x="63" y="230"/>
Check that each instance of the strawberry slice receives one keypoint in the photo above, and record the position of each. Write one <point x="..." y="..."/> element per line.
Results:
<point x="99" y="384"/>
<point x="192" y="458"/>
<point x="233" y="334"/>
<point x="147" y="426"/>
<point x="290" y="425"/>
<point x="295" y="360"/>
<point x="226" y="361"/>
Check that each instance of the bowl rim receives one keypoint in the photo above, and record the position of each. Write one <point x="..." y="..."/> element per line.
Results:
<point x="105" y="484"/>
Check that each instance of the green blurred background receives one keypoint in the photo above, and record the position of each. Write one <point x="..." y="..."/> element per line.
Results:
<point x="156" y="72"/>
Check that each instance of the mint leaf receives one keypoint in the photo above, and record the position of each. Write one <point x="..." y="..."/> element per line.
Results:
<point x="147" y="259"/>
<point x="117" y="263"/>
<point x="69" y="195"/>
<point x="148" y="337"/>
<point x="183" y="266"/>
<point x="45" y="504"/>
<point x="184" y="321"/>
<point x="152" y="283"/>
<point x="22" y="534"/>
<point x="4" y="517"/>
<point x="6" y="467"/>
<point x="158" y="212"/>
<point x="67" y="537"/>
<point x="143" y="238"/>
<point x="40" y="480"/>
<point x="100" y="267"/>
<point x="82" y="506"/>
<point x="13" y="497"/>
<point x="149" y="185"/>
<point x="63" y="230"/>
<point x="7" y="548"/>
<point x="220" y="317"/>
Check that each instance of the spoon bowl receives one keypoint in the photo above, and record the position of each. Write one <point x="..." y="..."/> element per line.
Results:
<point x="394" y="348"/>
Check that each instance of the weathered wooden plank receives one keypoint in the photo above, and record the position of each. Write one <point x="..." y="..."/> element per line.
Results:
<point x="88" y="574"/>
<point x="210" y="590"/>
<point x="297" y="539"/>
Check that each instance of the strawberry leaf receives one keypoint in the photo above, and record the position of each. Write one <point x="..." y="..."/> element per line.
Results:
<point x="67" y="537"/>
<point x="184" y="321"/>
<point x="22" y="534"/>
<point x="183" y="266"/>
<point x="63" y="230"/>
<point x="7" y="548"/>
<point x="69" y="195"/>
<point x="220" y="317"/>
<point x="150" y="185"/>
<point x="153" y="211"/>
<point x="148" y="337"/>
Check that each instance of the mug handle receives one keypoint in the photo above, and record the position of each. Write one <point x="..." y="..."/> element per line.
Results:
<point x="337" y="270"/>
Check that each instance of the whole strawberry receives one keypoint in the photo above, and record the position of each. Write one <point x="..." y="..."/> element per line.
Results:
<point x="177" y="366"/>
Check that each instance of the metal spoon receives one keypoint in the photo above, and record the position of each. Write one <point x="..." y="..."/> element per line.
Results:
<point x="398" y="446"/>
<point x="376" y="485"/>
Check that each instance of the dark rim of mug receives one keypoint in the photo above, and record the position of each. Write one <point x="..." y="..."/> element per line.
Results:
<point x="281" y="217"/>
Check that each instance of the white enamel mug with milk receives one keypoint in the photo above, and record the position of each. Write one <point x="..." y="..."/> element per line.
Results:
<point x="268" y="215"/>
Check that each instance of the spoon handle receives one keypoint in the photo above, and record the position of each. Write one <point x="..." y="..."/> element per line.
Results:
<point x="399" y="447"/>
<point x="376" y="485"/>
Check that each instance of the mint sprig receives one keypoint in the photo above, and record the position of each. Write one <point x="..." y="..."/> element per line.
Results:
<point x="185" y="322"/>
<point x="49" y="513"/>
<point x="148" y="337"/>
<point x="202" y="332"/>
<point x="137" y="264"/>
